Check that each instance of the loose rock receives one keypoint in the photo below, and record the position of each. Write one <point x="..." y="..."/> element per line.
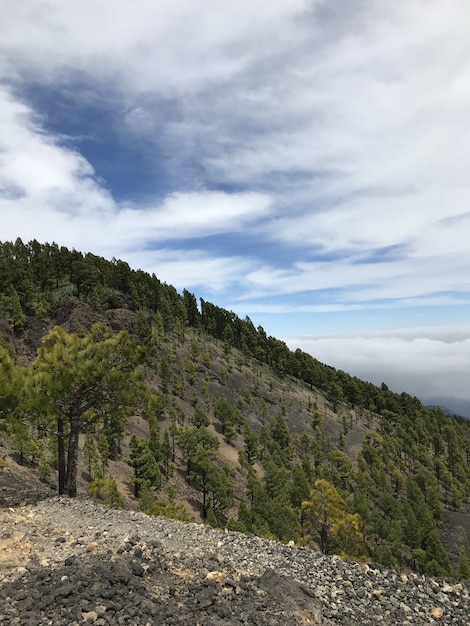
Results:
<point x="122" y="567"/>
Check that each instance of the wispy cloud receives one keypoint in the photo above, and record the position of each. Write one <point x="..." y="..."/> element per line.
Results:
<point x="181" y="267"/>
<point x="50" y="192"/>
<point x="298" y="156"/>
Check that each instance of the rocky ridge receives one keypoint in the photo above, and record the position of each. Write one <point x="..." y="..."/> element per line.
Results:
<point x="74" y="562"/>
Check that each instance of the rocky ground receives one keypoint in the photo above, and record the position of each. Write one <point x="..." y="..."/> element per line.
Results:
<point x="72" y="562"/>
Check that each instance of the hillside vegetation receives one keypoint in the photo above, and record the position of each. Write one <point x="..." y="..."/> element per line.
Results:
<point x="112" y="382"/>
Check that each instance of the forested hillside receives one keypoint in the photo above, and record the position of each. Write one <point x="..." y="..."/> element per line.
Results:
<point x="114" y="382"/>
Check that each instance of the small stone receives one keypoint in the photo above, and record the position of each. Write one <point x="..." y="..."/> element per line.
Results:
<point x="90" y="616"/>
<point x="93" y="545"/>
<point x="437" y="612"/>
<point x="137" y="569"/>
<point x="216" y="577"/>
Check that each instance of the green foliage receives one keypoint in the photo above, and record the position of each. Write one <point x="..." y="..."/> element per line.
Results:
<point x="266" y="516"/>
<point x="146" y="470"/>
<point x="335" y="394"/>
<point x="341" y="469"/>
<point x="104" y="490"/>
<point x="325" y="520"/>
<point x="280" y="432"/>
<point x="166" y="453"/>
<point x="191" y="308"/>
<point x="18" y="317"/>
<point x="300" y="487"/>
<point x="80" y="381"/>
<point x="414" y="464"/>
<point x="463" y="572"/>
<point x="276" y="477"/>
<point x="437" y="561"/>
<point x="150" y="505"/>
<point x="91" y="456"/>
<point x="228" y="417"/>
<point x="28" y="447"/>
<point x="200" y="418"/>
<point x="104" y="450"/>
<point x="144" y="330"/>
<point x="211" y="519"/>
<point x="12" y="383"/>
<point x="212" y="481"/>
<point x="191" y="439"/>
<point x="251" y="444"/>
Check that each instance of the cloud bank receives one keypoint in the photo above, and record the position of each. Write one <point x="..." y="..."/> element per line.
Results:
<point x="430" y="363"/>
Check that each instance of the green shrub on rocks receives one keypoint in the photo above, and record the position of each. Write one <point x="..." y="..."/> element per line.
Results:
<point x="105" y="490"/>
<point x="153" y="506"/>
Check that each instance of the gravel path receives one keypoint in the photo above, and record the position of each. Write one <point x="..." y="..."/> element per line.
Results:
<point x="73" y="562"/>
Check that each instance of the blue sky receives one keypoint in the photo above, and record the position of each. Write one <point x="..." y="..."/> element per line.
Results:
<point x="301" y="162"/>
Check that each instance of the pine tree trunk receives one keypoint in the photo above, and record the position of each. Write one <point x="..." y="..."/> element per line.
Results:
<point x="205" y="491"/>
<point x="323" y="540"/>
<point x="61" y="455"/>
<point x="72" y="460"/>
<point x="136" y="483"/>
<point x="204" y="502"/>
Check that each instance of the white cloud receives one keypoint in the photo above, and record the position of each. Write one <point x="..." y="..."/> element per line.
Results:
<point x="49" y="192"/>
<point x="361" y="282"/>
<point x="172" y="46"/>
<point x="196" y="214"/>
<point x="351" y="124"/>
<point x="292" y="306"/>
<point x="195" y="268"/>
<point x="426" y="362"/>
<point x="343" y="131"/>
<point x="44" y="187"/>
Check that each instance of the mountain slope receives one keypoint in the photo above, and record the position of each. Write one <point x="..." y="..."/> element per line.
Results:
<point x="241" y="430"/>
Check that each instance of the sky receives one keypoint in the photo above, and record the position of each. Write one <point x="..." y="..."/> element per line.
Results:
<point x="305" y="163"/>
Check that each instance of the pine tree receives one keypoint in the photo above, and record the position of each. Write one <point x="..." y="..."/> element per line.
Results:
<point x="463" y="572"/>
<point x="79" y="381"/>
<point x="18" y="316"/>
<point x="251" y="444"/>
<point x="437" y="561"/>
<point x="324" y="517"/>
<point x="104" y="450"/>
<point x="26" y="445"/>
<point x="212" y="481"/>
<point x="200" y="418"/>
<point x="280" y="432"/>
<point x="146" y="470"/>
<point x="90" y="454"/>
<point x="12" y="384"/>
<point x="144" y="330"/>
<point x="105" y="490"/>
<point x="165" y="452"/>
<point x="154" y="437"/>
<point x="226" y="415"/>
